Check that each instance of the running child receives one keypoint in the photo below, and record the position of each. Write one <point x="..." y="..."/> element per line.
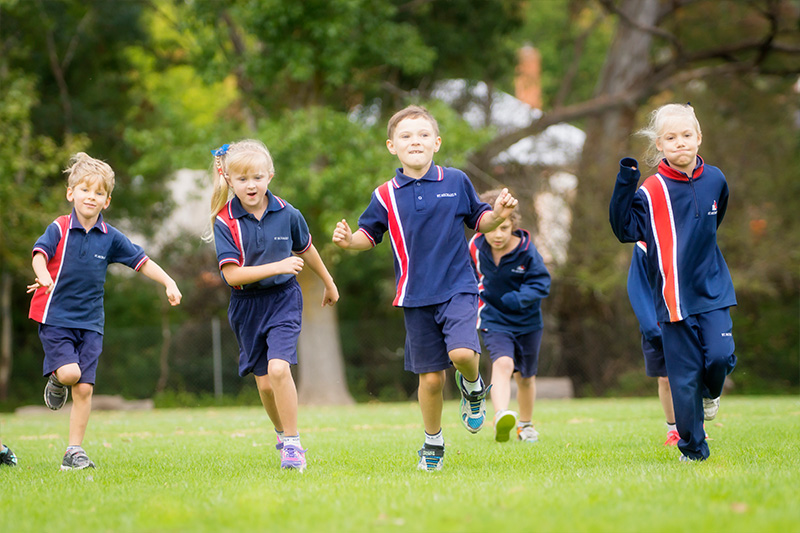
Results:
<point x="259" y="239"/>
<point x="512" y="281"/>
<point x="641" y="298"/>
<point x="424" y="209"/>
<point x="70" y="261"/>
<point x="676" y="212"/>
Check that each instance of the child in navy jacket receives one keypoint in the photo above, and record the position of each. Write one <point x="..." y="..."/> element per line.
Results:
<point x="512" y="281"/>
<point x="677" y="212"/>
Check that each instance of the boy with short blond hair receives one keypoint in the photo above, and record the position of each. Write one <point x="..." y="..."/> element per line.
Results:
<point x="70" y="261"/>
<point x="424" y="208"/>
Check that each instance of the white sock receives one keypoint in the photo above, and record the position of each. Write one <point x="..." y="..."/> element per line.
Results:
<point x="280" y="435"/>
<point x="293" y="440"/>
<point x="671" y="427"/>
<point x="522" y="424"/>
<point x="472" y="386"/>
<point x="434" y="440"/>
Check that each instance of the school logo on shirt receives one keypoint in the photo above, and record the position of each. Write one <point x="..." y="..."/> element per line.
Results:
<point x="99" y="256"/>
<point x="713" y="208"/>
<point x="519" y="270"/>
<point x="446" y="195"/>
<point x="280" y="238"/>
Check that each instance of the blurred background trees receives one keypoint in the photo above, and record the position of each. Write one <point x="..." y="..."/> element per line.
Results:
<point x="151" y="86"/>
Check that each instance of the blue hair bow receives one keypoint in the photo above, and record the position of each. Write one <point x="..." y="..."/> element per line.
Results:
<point x="222" y="150"/>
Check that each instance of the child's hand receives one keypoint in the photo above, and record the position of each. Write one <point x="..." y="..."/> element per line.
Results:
<point x="505" y="204"/>
<point x="173" y="294"/>
<point x="291" y="265"/>
<point x="330" y="295"/>
<point x="342" y="235"/>
<point x="40" y="283"/>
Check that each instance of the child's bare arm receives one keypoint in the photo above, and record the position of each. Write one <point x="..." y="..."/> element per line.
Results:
<point x="502" y="209"/>
<point x="242" y="275"/>
<point x="331" y="293"/>
<point x="156" y="273"/>
<point x="43" y="278"/>
<point x="344" y="237"/>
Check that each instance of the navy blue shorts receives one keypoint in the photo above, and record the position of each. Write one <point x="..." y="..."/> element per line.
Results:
<point x="434" y="330"/>
<point x="63" y="346"/>
<point x="523" y="348"/>
<point x="654" y="364"/>
<point x="266" y="323"/>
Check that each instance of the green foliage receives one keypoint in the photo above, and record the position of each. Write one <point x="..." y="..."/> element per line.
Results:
<point x="216" y="470"/>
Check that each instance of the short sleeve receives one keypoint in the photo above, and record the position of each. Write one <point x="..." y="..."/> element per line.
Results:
<point x="48" y="242"/>
<point x="475" y="207"/>
<point x="227" y="250"/>
<point x="374" y="221"/>
<point x="126" y="252"/>
<point x="301" y="237"/>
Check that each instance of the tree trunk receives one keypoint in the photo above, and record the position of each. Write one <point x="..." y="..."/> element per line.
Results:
<point x="590" y="315"/>
<point x="320" y="361"/>
<point x="5" y="344"/>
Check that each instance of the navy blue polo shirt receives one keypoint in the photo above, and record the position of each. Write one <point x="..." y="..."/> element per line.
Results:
<point x="425" y="219"/>
<point x="243" y="240"/>
<point x="77" y="261"/>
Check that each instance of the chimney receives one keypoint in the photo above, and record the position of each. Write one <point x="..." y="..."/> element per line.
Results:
<point x="528" y="79"/>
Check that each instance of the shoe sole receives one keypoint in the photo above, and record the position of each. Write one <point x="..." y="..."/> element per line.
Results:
<point x="63" y="402"/>
<point x="503" y="427"/>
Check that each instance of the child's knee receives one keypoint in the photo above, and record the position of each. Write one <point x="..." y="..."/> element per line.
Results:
<point x="69" y="374"/>
<point x="463" y="356"/>
<point x="504" y="365"/>
<point x="432" y="381"/>
<point x="82" y="391"/>
<point x="278" y="369"/>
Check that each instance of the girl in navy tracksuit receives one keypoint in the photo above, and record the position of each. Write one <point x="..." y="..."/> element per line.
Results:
<point x="677" y="212"/>
<point x="512" y="280"/>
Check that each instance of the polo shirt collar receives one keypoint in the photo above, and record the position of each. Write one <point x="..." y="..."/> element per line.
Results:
<point x="74" y="223"/>
<point x="238" y="211"/>
<point x="435" y="173"/>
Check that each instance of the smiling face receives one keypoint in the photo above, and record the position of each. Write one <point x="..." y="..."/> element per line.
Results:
<point x="414" y="142"/>
<point x="679" y="141"/>
<point x="89" y="197"/>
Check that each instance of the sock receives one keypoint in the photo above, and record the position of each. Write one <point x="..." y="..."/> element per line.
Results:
<point x="291" y="440"/>
<point x="280" y="435"/>
<point x="671" y="427"/>
<point x="522" y="424"/>
<point x="434" y="440"/>
<point x="73" y="448"/>
<point x="472" y="386"/>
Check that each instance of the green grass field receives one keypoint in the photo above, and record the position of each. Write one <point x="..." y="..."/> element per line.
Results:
<point x="600" y="466"/>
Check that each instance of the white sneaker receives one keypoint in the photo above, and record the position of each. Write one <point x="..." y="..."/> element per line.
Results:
<point x="527" y="434"/>
<point x="504" y="422"/>
<point x="710" y="408"/>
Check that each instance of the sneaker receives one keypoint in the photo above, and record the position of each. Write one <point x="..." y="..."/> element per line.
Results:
<point x="55" y="394"/>
<point x="686" y="459"/>
<point x="293" y="457"/>
<point x="504" y="422"/>
<point x="278" y="446"/>
<point x="76" y="460"/>
<point x="710" y="408"/>
<point x="431" y="457"/>
<point x="527" y="434"/>
<point x="672" y="438"/>
<point x="473" y="406"/>
<point x="7" y="457"/>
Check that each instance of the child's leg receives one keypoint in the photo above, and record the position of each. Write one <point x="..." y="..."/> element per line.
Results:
<point x="665" y="396"/>
<point x="68" y="374"/>
<point x="285" y="393"/>
<point x="718" y="347"/>
<point x="81" y="408"/>
<point x="500" y="393"/>
<point x="431" y="385"/>
<point x="267" y="395"/>
<point x="466" y="361"/>
<point x="526" y="396"/>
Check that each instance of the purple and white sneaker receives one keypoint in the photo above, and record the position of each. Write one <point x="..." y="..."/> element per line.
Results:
<point x="293" y="457"/>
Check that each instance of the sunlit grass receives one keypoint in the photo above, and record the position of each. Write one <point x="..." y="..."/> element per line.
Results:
<point x="600" y="466"/>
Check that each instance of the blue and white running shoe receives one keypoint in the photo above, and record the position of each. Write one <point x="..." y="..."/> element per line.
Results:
<point x="473" y="406"/>
<point x="431" y="457"/>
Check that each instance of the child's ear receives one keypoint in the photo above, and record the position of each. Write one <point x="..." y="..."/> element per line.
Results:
<point x="70" y="197"/>
<point x="390" y="147"/>
<point x="108" y="202"/>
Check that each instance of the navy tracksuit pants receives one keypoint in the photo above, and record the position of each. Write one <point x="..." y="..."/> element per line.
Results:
<point x="699" y="355"/>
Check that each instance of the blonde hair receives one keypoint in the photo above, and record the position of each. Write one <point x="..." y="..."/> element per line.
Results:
<point x="412" y="111"/>
<point x="490" y="197"/>
<point x="656" y="124"/>
<point x="86" y="169"/>
<point x="239" y="158"/>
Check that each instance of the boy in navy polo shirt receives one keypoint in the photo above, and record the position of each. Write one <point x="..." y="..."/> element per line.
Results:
<point x="641" y="298"/>
<point x="70" y="261"/>
<point x="677" y="212"/>
<point x="512" y="281"/>
<point x="424" y="209"/>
